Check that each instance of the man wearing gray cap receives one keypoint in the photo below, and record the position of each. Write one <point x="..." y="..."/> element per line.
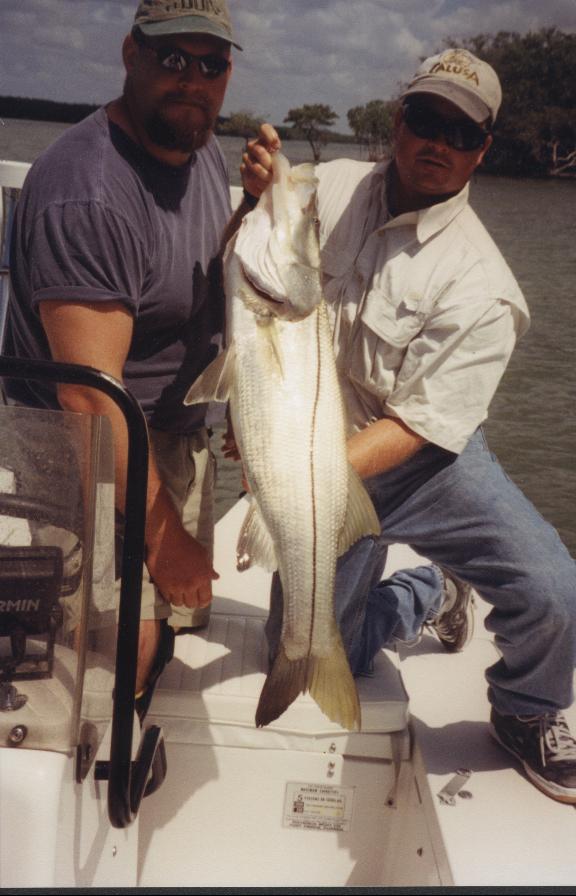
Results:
<point x="115" y="264"/>
<point x="425" y="314"/>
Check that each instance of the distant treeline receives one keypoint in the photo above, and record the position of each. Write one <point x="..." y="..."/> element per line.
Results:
<point x="70" y="113"/>
<point x="534" y="133"/>
<point x="43" y="110"/>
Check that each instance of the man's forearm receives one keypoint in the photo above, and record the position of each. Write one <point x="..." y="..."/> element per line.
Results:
<point x="89" y="401"/>
<point x="382" y="446"/>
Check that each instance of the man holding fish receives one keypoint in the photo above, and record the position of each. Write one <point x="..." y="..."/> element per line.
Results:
<point x="425" y="314"/>
<point x="116" y="264"/>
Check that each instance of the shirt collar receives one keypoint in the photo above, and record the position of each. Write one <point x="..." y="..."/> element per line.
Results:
<point x="428" y="221"/>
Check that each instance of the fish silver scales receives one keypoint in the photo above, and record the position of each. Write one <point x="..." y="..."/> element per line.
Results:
<point x="308" y="505"/>
<point x="295" y="467"/>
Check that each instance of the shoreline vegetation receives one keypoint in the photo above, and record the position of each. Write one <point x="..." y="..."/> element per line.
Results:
<point x="239" y="124"/>
<point x="534" y="135"/>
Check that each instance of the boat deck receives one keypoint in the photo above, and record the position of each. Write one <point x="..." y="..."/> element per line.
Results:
<point x="506" y="833"/>
<point x="503" y="831"/>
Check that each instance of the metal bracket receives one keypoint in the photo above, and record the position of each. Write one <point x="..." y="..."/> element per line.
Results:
<point x="454" y="786"/>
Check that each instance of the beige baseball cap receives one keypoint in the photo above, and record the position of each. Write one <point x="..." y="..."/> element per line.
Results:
<point x="156" y="18"/>
<point x="459" y="76"/>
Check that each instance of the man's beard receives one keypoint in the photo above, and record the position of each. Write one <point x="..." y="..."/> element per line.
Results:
<point x="177" y="133"/>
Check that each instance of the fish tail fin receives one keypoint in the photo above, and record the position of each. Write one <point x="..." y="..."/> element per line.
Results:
<point x="333" y="688"/>
<point x="286" y="679"/>
<point x="329" y="680"/>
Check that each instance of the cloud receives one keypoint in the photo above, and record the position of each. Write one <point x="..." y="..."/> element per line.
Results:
<point x="339" y="52"/>
<point x="48" y="48"/>
<point x="345" y="53"/>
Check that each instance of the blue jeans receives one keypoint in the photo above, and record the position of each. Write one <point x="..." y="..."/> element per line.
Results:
<point x="464" y="514"/>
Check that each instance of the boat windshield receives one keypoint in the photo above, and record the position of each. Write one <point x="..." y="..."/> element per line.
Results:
<point x="57" y="595"/>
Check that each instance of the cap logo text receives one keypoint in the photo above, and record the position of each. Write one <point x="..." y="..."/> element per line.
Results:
<point x="456" y="64"/>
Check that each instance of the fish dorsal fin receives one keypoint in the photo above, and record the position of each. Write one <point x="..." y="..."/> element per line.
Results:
<point x="361" y="518"/>
<point x="255" y="544"/>
<point x="215" y="382"/>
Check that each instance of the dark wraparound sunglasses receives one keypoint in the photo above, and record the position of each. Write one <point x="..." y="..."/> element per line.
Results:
<point x="428" y="125"/>
<point x="176" y="60"/>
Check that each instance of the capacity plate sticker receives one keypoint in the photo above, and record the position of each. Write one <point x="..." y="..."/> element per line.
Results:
<point x="318" y="807"/>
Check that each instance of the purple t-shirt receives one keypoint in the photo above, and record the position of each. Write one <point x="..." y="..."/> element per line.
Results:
<point x="99" y="221"/>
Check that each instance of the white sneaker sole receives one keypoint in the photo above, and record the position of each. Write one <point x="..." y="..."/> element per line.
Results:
<point x="554" y="791"/>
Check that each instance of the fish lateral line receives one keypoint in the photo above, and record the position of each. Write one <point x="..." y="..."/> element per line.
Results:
<point x="313" y="435"/>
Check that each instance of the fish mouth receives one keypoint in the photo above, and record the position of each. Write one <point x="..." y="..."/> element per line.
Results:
<point x="266" y="297"/>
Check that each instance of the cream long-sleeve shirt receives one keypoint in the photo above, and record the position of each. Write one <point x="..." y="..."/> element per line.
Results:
<point x="424" y="309"/>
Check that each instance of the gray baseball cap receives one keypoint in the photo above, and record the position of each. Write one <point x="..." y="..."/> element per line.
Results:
<point x="157" y="18"/>
<point x="459" y="76"/>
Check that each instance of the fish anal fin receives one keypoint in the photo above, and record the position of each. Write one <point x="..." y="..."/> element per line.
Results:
<point x="361" y="518"/>
<point x="255" y="544"/>
<point x="329" y="680"/>
<point x="215" y="382"/>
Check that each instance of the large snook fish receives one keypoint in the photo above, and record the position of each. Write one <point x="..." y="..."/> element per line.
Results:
<point x="279" y="375"/>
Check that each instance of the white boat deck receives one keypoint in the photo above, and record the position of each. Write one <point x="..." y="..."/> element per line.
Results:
<point x="505" y="833"/>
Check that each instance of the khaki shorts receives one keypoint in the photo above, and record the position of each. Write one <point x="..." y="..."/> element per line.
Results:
<point x="187" y="468"/>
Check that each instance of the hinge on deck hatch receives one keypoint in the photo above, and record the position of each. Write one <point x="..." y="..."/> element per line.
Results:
<point x="454" y="786"/>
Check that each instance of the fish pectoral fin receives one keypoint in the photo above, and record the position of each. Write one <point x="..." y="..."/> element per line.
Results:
<point x="329" y="680"/>
<point x="269" y="331"/>
<point x="255" y="543"/>
<point x="361" y="518"/>
<point x="215" y="382"/>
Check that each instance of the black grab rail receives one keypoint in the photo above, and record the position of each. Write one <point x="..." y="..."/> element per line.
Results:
<point x="125" y="778"/>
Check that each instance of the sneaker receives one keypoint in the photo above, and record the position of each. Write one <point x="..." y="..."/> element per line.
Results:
<point x="454" y="623"/>
<point x="545" y="747"/>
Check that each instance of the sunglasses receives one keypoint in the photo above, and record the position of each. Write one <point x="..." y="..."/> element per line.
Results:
<point x="464" y="136"/>
<point x="176" y="60"/>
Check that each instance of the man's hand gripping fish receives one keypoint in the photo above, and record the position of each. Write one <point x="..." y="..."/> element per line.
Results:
<point x="279" y="375"/>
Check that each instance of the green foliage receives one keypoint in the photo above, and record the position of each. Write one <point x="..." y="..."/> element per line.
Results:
<point x="309" y="122"/>
<point x="535" y="133"/>
<point x="372" y="124"/>
<point x="240" y="124"/>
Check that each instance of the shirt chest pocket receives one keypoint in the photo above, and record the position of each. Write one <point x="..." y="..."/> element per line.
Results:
<point x="398" y="289"/>
<point x="393" y="318"/>
<point x="380" y="338"/>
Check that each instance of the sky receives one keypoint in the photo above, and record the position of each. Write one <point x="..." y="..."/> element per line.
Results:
<point x="343" y="53"/>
